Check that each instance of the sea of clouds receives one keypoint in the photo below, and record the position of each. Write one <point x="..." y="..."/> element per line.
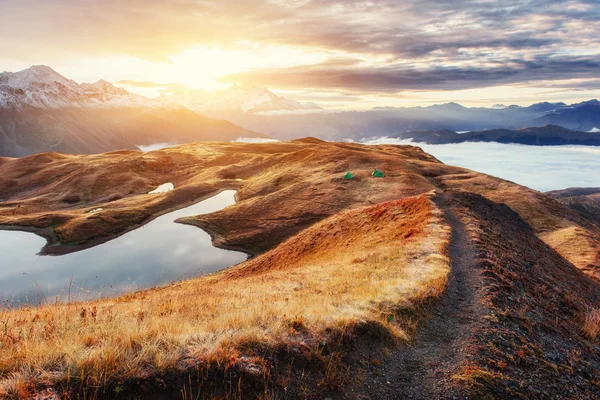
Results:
<point x="539" y="167"/>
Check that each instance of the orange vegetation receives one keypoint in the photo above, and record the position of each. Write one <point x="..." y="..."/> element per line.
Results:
<point x="357" y="267"/>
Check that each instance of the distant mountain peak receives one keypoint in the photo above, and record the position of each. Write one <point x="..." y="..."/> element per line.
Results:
<point x="593" y="102"/>
<point x="104" y="87"/>
<point x="450" y="106"/>
<point x="239" y="98"/>
<point x="102" y="82"/>
<point x="34" y="76"/>
<point x="42" y="87"/>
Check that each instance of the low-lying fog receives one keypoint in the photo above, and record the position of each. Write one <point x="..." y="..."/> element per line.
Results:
<point x="538" y="167"/>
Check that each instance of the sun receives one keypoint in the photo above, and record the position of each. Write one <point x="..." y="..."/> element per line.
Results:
<point x="203" y="67"/>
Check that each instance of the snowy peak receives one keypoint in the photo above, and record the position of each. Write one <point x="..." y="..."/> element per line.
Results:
<point x="37" y="75"/>
<point x="102" y="90"/>
<point x="42" y="87"/>
<point x="244" y="99"/>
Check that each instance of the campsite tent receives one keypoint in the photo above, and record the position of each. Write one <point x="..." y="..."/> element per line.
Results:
<point x="348" y="175"/>
<point x="378" y="174"/>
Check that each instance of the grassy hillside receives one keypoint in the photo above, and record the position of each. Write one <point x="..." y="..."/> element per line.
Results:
<point x="370" y="267"/>
<point x="502" y="278"/>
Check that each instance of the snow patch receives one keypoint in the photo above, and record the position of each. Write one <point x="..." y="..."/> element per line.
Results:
<point x="164" y="188"/>
<point x="594" y="130"/>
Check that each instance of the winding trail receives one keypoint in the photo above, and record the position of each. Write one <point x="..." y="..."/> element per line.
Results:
<point x="423" y="369"/>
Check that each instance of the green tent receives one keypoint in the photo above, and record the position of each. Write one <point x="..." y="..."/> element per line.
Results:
<point x="378" y="174"/>
<point x="348" y="175"/>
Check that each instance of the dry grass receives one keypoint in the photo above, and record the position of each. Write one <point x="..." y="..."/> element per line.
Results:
<point x="356" y="266"/>
<point x="535" y="340"/>
<point x="576" y="245"/>
<point x="591" y="323"/>
<point x="553" y="222"/>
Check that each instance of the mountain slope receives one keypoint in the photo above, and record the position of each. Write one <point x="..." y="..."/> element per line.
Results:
<point x="583" y="116"/>
<point x="42" y="87"/>
<point x="40" y="110"/>
<point x="585" y="201"/>
<point x="392" y="121"/>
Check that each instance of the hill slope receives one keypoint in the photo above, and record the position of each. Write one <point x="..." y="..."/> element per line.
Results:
<point x="352" y="283"/>
<point x="586" y="201"/>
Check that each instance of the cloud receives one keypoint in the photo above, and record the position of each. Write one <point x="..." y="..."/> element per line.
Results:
<point x="378" y="45"/>
<point x="395" y="78"/>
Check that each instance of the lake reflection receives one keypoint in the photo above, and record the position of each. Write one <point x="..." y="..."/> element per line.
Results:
<point x="157" y="253"/>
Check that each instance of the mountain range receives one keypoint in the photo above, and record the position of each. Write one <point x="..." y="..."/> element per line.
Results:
<point x="548" y="135"/>
<point x="391" y="121"/>
<point x="41" y="110"/>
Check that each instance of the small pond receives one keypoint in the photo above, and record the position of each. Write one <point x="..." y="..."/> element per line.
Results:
<point x="157" y="253"/>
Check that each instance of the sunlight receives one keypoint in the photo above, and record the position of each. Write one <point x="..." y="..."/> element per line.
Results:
<point x="202" y="67"/>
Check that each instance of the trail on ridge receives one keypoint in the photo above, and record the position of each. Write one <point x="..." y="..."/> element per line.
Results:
<point x="424" y="368"/>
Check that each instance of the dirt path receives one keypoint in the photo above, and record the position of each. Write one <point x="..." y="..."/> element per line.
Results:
<point x="424" y="370"/>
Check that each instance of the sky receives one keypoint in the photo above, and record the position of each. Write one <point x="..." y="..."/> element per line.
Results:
<point x="340" y="54"/>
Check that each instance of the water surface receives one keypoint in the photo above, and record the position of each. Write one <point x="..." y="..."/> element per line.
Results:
<point x="157" y="253"/>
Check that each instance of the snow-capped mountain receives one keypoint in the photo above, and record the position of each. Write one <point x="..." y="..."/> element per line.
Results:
<point x="41" y="110"/>
<point x="238" y="99"/>
<point x="42" y="87"/>
<point x="37" y="75"/>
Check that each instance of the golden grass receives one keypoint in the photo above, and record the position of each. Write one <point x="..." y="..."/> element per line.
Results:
<point x="591" y="323"/>
<point x="380" y="259"/>
<point x="575" y="244"/>
<point x="552" y="221"/>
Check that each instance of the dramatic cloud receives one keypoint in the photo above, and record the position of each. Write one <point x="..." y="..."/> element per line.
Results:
<point x="399" y="77"/>
<point x="356" y="46"/>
